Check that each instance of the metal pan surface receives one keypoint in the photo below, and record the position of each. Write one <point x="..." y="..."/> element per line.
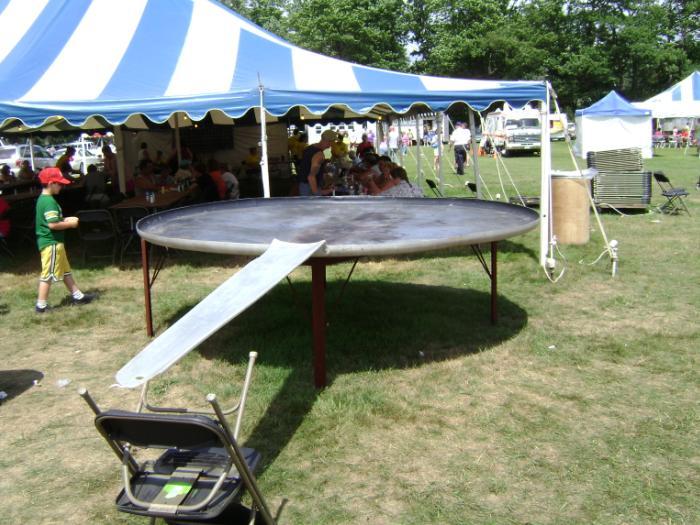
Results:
<point x="351" y="226"/>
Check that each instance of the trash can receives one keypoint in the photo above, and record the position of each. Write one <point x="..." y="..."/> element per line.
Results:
<point x="571" y="217"/>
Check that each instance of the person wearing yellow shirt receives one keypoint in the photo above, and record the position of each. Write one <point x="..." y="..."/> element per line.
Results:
<point x="252" y="161"/>
<point x="300" y="145"/>
<point x="292" y="143"/>
<point x="339" y="149"/>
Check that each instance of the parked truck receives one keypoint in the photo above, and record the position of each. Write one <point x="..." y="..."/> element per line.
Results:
<point x="509" y="130"/>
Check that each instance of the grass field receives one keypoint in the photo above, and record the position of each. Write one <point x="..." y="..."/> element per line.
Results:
<point x="580" y="406"/>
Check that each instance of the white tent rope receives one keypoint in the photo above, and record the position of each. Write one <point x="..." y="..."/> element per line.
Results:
<point x="500" y="178"/>
<point x="611" y="250"/>
<point x="512" y="181"/>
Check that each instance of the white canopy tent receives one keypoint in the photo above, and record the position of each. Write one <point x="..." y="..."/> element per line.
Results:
<point x="682" y="100"/>
<point x="613" y="123"/>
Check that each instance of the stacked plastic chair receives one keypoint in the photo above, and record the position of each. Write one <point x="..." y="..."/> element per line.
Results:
<point x="621" y="181"/>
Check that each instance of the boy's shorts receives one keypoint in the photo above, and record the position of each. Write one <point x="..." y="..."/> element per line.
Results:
<point x="54" y="263"/>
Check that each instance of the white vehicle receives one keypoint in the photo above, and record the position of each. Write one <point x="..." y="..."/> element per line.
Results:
<point x="81" y="162"/>
<point x="510" y="130"/>
<point x="14" y="155"/>
<point x="352" y="130"/>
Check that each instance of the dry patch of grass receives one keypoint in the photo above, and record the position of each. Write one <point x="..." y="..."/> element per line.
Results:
<point x="580" y="406"/>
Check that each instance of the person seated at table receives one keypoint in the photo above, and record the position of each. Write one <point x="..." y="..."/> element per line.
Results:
<point x="216" y="176"/>
<point x="364" y="176"/>
<point x="164" y="177"/>
<point x="6" y="174"/>
<point x="4" y="219"/>
<point x="64" y="164"/>
<point x="26" y="173"/>
<point x="146" y="180"/>
<point x="184" y="174"/>
<point x="206" y="187"/>
<point x="371" y="160"/>
<point x="159" y="160"/>
<point x="384" y="161"/>
<point x="401" y="186"/>
<point x="384" y="179"/>
<point x="96" y="188"/>
<point x="232" y="187"/>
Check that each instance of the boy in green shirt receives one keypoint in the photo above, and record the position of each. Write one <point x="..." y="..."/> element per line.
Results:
<point x="50" y="233"/>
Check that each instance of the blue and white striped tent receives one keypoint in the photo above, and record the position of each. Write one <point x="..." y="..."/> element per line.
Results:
<point x="678" y="101"/>
<point x="114" y="61"/>
<point x="116" y="58"/>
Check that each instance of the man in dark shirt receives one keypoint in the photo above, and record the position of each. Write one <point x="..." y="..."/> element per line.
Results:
<point x="310" y="175"/>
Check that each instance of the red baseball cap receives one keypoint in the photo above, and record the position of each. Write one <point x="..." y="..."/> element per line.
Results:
<point x="49" y="175"/>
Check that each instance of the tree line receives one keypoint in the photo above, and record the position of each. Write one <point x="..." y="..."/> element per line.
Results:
<point x="584" y="48"/>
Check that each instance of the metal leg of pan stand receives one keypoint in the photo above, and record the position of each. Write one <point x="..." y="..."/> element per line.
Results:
<point x="493" y="275"/>
<point x="148" y="281"/>
<point x="318" y="320"/>
<point x="494" y="282"/>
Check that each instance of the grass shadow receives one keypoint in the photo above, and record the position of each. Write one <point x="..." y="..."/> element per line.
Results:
<point x="15" y="382"/>
<point x="377" y="326"/>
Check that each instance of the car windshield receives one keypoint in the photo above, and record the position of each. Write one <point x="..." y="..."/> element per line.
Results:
<point x="522" y="123"/>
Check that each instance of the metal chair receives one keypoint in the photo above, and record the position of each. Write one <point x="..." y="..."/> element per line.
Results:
<point x="125" y="220"/>
<point x="97" y="231"/>
<point x="674" y="196"/>
<point x="201" y="476"/>
<point x="431" y="184"/>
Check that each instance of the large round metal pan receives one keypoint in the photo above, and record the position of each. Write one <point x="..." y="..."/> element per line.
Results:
<point x="351" y="226"/>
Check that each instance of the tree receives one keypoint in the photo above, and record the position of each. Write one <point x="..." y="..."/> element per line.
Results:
<point x="584" y="47"/>
<point x="368" y="32"/>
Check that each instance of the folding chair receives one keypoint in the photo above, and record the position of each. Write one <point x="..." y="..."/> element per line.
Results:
<point x="201" y="476"/>
<point x="125" y="220"/>
<point x="674" y="196"/>
<point x="96" y="230"/>
<point x="431" y="184"/>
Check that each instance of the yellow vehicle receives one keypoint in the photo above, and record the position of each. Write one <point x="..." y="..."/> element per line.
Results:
<point x="558" y="125"/>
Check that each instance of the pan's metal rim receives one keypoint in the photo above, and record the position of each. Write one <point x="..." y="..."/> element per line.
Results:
<point x="342" y="250"/>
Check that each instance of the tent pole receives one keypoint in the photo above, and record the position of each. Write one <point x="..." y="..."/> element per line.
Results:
<point x="419" y="170"/>
<point x="264" y="172"/>
<point x="438" y="174"/>
<point x="31" y="151"/>
<point x="83" y="155"/>
<point x="546" y="248"/>
<point x="178" y="145"/>
<point x="121" y="157"/>
<point x="401" y="159"/>
<point x="475" y="153"/>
